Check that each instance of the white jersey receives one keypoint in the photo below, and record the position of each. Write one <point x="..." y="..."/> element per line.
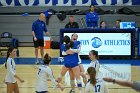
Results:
<point x="11" y="71"/>
<point x="96" y="65"/>
<point x="100" y="87"/>
<point x="44" y="73"/>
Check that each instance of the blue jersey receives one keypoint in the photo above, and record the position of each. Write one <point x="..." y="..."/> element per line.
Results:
<point x="76" y="48"/>
<point x="38" y="27"/>
<point x="70" y="60"/>
<point x="76" y="45"/>
<point x="92" y="19"/>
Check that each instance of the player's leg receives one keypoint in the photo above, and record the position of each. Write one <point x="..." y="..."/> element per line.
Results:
<point x="63" y="72"/>
<point x="82" y="71"/>
<point x="16" y="88"/>
<point x="72" y="81"/>
<point x="10" y="88"/>
<point x="76" y="71"/>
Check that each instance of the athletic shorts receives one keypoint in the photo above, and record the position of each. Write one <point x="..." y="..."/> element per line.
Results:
<point x="39" y="42"/>
<point x="136" y="85"/>
<point x="70" y="64"/>
<point x="42" y="92"/>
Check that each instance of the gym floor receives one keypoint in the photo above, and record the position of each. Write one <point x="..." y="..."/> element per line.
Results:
<point x="27" y="70"/>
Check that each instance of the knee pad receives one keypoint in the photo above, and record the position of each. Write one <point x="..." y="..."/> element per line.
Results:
<point x="79" y="83"/>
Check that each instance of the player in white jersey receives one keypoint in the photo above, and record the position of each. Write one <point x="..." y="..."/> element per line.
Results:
<point x="11" y="75"/>
<point x="95" y="85"/>
<point x="93" y="55"/>
<point x="44" y="74"/>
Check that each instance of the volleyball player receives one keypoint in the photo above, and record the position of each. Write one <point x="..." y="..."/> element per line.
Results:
<point x="44" y="74"/>
<point x="11" y="75"/>
<point x="76" y="49"/>
<point x="70" y="61"/>
<point x="95" y="85"/>
<point x="93" y="55"/>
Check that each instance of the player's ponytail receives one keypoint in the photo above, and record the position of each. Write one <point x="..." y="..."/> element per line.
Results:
<point x="47" y="59"/>
<point x="10" y="49"/>
<point x="92" y="73"/>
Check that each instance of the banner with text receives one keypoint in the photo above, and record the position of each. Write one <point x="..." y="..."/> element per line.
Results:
<point x="68" y="2"/>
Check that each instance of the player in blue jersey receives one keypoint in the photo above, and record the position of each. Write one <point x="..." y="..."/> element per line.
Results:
<point x="70" y="60"/>
<point x="44" y="74"/>
<point x="95" y="85"/>
<point x="38" y="27"/>
<point x="76" y="49"/>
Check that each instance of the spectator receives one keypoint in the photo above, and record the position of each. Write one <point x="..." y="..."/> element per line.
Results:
<point x="134" y="85"/>
<point x="92" y="17"/>
<point x="103" y="25"/>
<point x="117" y="24"/>
<point x="72" y="23"/>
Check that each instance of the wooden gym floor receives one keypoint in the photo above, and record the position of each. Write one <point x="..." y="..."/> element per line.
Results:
<point x="28" y="73"/>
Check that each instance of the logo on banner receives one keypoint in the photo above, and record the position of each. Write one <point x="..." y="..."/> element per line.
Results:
<point x="96" y="42"/>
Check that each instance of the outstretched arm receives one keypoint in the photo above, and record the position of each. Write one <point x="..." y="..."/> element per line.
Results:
<point x="119" y="82"/>
<point x="55" y="83"/>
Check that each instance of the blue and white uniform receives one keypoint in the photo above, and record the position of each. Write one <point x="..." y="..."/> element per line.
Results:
<point x="44" y="73"/>
<point x="70" y="60"/>
<point x="96" y="65"/>
<point x="76" y="49"/>
<point x="11" y="71"/>
<point x="100" y="87"/>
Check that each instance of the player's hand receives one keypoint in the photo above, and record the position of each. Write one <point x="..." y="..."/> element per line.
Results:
<point x="35" y="39"/>
<point x="58" y="80"/>
<point x="62" y="88"/>
<point x="21" y="80"/>
<point x="107" y="79"/>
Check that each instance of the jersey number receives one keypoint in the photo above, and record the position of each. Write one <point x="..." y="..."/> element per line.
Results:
<point x="97" y="88"/>
<point x="39" y="71"/>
